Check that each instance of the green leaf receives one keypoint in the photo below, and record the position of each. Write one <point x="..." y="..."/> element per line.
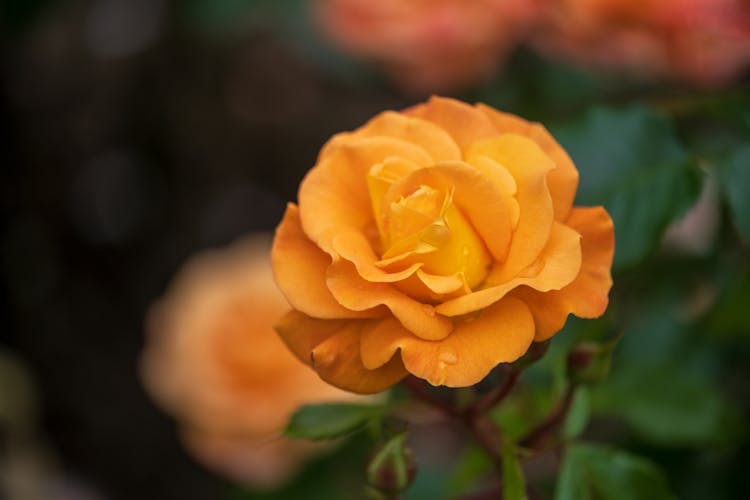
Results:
<point x="631" y="162"/>
<point x="330" y="420"/>
<point x="592" y="472"/>
<point x="514" y="484"/>
<point x="734" y="175"/>
<point x="665" y="404"/>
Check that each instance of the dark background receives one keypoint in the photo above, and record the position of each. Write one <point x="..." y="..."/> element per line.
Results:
<point x="120" y="158"/>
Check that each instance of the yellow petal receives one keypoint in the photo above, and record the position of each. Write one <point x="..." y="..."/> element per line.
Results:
<point x="587" y="295"/>
<point x="299" y="268"/>
<point x="434" y="140"/>
<point x="463" y="122"/>
<point x="563" y="180"/>
<point x="558" y="265"/>
<point x="529" y="166"/>
<point x="502" y="333"/>
<point x="355" y="293"/>
<point x="331" y="348"/>
<point x="380" y="178"/>
<point x="334" y="194"/>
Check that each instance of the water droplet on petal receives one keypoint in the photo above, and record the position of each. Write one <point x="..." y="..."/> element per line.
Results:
<point x="448" y="357"/>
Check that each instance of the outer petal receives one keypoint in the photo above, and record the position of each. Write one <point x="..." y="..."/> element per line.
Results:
<point x="433" y="139"/>
<point x="299" y="268"/>
<point x="334" y="194"/>
<point x="528" y="164"/>
<point x="557" y="266"/>
<point x="331" y="348"/>
<point x="351" y="290"/>
<point x="562" y="181"/>
<point x="587" y="295"/>
<point x="502" y="333"/>
<point x="464" y="123"/>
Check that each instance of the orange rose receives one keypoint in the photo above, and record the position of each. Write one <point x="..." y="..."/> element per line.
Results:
<point x="213" y="360"/>
<point x="703" y="41"/>
<point x="439" y="241"/>
<point x="428" y="44"/>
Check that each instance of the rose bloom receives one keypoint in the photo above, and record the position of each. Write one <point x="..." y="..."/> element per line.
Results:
<point x="428" y="44"/>
<point x="706" y="42"/>
<point x="213" y="361"/>
<point x="439" y="241"/>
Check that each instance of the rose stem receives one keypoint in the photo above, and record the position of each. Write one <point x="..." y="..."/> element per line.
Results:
<point x="495" y="396"/>
<point x="538" y="435"/>
<point x="487" y="435"/>
<point x="474" y="417"/>
<point x="417" y="389"/>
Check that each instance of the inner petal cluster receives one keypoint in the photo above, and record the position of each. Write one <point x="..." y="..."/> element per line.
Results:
<point x="421" y="225"/>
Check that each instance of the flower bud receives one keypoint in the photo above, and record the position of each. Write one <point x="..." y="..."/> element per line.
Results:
<point x="589" y="362"/>
<point x="392" y="467"/>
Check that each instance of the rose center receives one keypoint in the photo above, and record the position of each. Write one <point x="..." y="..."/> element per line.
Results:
<point x="425" y="226"/>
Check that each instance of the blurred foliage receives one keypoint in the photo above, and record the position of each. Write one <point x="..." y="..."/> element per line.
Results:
<point x="340" y="474"/>
<point x="735" y="179"/>
<point x="630" y="162"/>
<point x="329" y="421"/>
<point x="591" y="472"/>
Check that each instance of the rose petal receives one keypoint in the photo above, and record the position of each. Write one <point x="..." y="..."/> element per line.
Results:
<point x="299" y="268"/>
<point x="558" y="265"/>
<point x="529" y="165"/>
<point x="355" y="293"/>
<point x="356" y="249"/>
<point x="380" y="178"/>
<point x="427" y="287"/>
<point x="562" y="181"/>
<point x="434" y="140"/>
<point x="334" y="194"/>
<point x="504" y="182"/>
<point x="443" y="284"/>
<point x="502" y="333"/>
<point x="331" y="348"/>
<point x="463" y="122"/>
<point x="587" y="295"/>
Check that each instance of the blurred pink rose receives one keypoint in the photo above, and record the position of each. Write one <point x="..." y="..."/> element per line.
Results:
<point x="429" y="45"/>
<point x="706" y="42"/>
<point x="213" y="361"/>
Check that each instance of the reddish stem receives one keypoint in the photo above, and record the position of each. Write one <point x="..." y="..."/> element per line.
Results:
<point x="495" y="396"/>
<point x="537" y="436"/>
<point x="474" y="417"/>
<point x="417" y="388"/>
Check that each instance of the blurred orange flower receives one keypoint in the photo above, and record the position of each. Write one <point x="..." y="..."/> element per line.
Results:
<point x="440" y="241"/>
<point x="703" y="41"/>
<point x="428" y="45"/>
<point x="213" y="361"/>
